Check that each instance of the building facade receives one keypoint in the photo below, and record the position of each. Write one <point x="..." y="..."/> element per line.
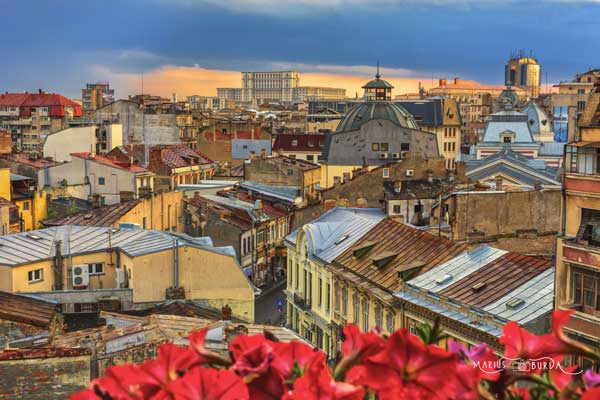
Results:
<point x="524" y="72"/>
<point x="305" y="93"/>
<point x="265" y="86"/>
<point x="96" y="95"/>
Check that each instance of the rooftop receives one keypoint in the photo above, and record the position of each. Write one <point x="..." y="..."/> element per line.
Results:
<point x="30" y="310"/>
<point x="111" y="162"/>
<point x="394" y="248"/>
<point x="38" y="163"/>
<point x="36" y="100"/>
<point x="102" y="216"/>
<point x="38" y="245"/>
<point x="336" y="230"/>
<point x="299" y="142"/>
<point x="287" y="193"/>
<point x="289" y="162"/>
<point x="179" y="155"/>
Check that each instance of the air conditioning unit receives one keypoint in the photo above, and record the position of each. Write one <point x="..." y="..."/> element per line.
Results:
<point x="81" y="275"/>
<point x="410" y="172"/>
<point x="395" y="155"/>
<point x="383" y="155"/>
<point x="403" y="154"/>
<point x="121" y="278"/>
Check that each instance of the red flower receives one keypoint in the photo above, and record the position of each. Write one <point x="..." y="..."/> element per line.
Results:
<point x="209" y="384"/>
<point x="291" y="354"/>
<point x="253" y="356"/>
<point x="359" y="346"/>
<point x="85" y="394"/>
<point x="205" y="356"/>
<point x="127" y="382"/>
<point x="317" y="384"/>
<point x="407" y="368"/>
<point x="592" y="394"/>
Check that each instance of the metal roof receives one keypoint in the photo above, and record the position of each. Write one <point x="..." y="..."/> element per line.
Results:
<point x="288" y="193"/>
<point x="486" y="280"/>
<point x="28" y="247"/>
<point x="370" y="110"/>
<point x="503" y="121"/>
<point x="408" y="248"/>
<point x="337" y="230"/>
<point x="102" y="216"/>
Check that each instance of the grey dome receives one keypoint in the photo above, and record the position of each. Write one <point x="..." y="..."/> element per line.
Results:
<point x="537" y="119"/>
<point x="369" y="110"/>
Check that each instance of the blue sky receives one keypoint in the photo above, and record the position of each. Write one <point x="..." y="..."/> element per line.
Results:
<point x="61" y="44"/>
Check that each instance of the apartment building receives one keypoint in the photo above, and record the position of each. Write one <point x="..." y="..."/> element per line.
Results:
<point x="96" y="95"/>
<point x="30" y="117"/>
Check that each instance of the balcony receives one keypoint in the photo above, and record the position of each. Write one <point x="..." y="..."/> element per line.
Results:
<point x="301" y="302"/>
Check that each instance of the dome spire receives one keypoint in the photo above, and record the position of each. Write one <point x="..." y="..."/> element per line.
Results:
<point x="377" y="76"/>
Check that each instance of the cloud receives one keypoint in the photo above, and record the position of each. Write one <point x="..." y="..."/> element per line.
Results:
<point x="293" y="8"/>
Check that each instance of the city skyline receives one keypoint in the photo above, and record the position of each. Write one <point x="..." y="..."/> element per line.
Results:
<point x="191" y="47"/>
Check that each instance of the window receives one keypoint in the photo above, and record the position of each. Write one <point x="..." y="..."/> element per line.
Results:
<point x="344" y="301"/>
<point x="96" y="269"/>
<point x="297" y="276"/>
<point x="328" y="297"/>
<point x="397" y="209"/>
<point x="580" y="105"/>
<point x="338" y="297"/>
<point x="320" y="294"/>
<point x="35" y="275"/>
<point x="383" y="146"/>
<point x="390" y="317"/>
<point x="25" y="205"/>
<point x="290" y="172"/>
<point x="386" y="172"/>
<point x="375" y="146"/>
<point x="311" y="143"/>
<point x="356" y="306"/>
<point x="586" y="290"/>
<point x="418" y="208"/>
<point x="582" y="160"/>
<point x="378" y="316"/>
<point x="404" y="146"/>
<point x="310" y="157"/>
<point x="365" y="306"/>
<point x="260" y="236"/>
<point x="101" y="180"/>
<point x="506" y="139"/>
<point x="290" y="273"/>
<point x="294" y="142"/>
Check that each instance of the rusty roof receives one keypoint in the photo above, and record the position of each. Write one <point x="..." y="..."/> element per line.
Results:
<point x="180" y="308"/>
<point x="102" y="216"/>
<point x="45" y="352"/>
<point x="496" y="279"/>
<point x="27" y="310"/>
<point x="413" y="248"/>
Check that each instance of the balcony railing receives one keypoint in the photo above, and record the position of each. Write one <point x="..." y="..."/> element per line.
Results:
<point x="301" y="302"/>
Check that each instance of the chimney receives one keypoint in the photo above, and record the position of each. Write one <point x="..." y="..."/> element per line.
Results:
<point x="442" y="82"/>
<point x="337" y="180"/>
<point x="39" y="91"/>
<point x="57" y="265"/>
<point x="397" y="186"/>
<point x="456" y="80"/>
<point x="263" y="154"/>
<point x="498" y="180"/>
<point x="226" y="313"/>
<point x="252" y="155"/>
<point x="231" y="332"/>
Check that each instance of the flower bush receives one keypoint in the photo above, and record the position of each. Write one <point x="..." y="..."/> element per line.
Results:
<point x="371" y="365"/>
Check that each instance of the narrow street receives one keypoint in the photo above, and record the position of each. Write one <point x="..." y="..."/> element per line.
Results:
<point x="265" y="309"/>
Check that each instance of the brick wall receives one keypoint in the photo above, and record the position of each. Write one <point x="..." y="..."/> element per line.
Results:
<point x="43" y="373"/>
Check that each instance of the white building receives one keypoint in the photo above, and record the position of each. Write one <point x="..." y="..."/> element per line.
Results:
<point x="99" y="138"/>
<point x="269" y="86"/>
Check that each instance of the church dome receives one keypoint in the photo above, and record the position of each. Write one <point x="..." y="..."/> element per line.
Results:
<point x="370" y="110"/>
<point x="537" y="119"/>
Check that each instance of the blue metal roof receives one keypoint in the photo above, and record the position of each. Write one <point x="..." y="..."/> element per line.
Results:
<point x="288" y="193"/>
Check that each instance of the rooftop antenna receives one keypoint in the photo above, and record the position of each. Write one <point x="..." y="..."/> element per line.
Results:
<point x="377" y="75"/>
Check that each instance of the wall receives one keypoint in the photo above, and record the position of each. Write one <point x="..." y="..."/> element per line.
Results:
<point x="61" y="144"/>
<point x="52" y="376"/>
<point x="506" y="213"/>
<point x="160" y="211"/>
<point x="37" y="210"/>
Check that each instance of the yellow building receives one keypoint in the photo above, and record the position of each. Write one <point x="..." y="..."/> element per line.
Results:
<point x="161" y="211"/>
<point x="311" y="249"/>
<point x="22" y="192"/>
<point x="578" y="248"/>
<point x="140" y="267"/>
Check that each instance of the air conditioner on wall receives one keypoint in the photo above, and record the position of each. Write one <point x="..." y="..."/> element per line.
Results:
<point x="410" y="172"/>
<point x="383" y="155"/>
<point x="81" y="275"/>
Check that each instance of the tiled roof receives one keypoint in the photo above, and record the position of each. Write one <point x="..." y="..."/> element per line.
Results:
<point x="303" y="142"/>
<point x="102" y="216"/>
<point x="180" y="155"/>
<point x="407" y="247"/>
<point x="110" y="162"/>
<point x="38" y="163"/>
<point x="13" y="99"/>
<point x="182" y="308"/>
<point x="27" y="309"/>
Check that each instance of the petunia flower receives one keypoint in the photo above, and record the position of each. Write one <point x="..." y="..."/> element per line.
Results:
<point x="209" y="384"/>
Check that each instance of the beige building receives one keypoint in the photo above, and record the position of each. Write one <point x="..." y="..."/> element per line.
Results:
<point x="97" y="138"/>
<point x="305" y="93"/>
<point x="141" y="267"/>
<point x="96" y="95"/>
<point x="269" y="86"/>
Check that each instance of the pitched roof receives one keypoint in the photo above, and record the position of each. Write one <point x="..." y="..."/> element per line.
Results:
<point x="414" y="189"/>
<point x="36" y="100"/>
<point x="182" y="308"/>
<point x="179" y="155"/>
<point x="299" y="142"/>
<point x="38" y="245"/>
<point x="28" y="310"/>
<point x="511" y="121"/>
<point x="111" y="162"/>
<point x="336" y="230"/>
<point x="504" y="285"/>
<point x="102" y="216"/>
<point x="403" y="247"/>
<point x="427" y="112"/>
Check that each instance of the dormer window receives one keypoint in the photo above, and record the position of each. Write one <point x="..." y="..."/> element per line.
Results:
<point x="507" y="137"/>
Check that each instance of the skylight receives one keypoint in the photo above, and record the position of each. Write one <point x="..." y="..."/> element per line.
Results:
<point x="340" y="240"/>
<point x="515" y="302"/>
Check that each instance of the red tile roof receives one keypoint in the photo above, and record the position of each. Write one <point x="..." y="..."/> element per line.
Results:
<point x="271" y="210"/>
<point x="39" y="163"/>
<point x="110" y="162"/>
<point x="303" y="142"/>
<point x="13" y="99"/>
<point x="56" y="102"/>
<point x="180" y="155"/>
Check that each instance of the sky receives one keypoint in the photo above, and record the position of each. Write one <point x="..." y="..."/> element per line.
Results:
<point x="194" y="46"/>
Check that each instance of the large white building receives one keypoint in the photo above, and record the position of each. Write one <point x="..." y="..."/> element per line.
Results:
<point x="269" y="86"/>
<point x="305" y="93"/>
